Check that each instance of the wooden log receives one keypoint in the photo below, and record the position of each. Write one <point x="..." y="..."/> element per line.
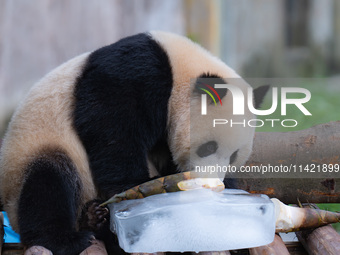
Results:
<point x="321" y="241"/>
<point x="156" y="253"/>
<point x="37" y="250"/>
<point x="13" y="249"/>
<point x="214" y="253"/>
<point x="291" y="191"/>
<point x="295" y="248"/>
<point x="277" y="247"/>
<point x="317" y="145"/>
<point x="97" y="248"/>
<point x="200" y="253"/>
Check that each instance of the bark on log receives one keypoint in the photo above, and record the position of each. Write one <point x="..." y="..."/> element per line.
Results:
<point x="13" y="249"/>
<point x="37" y="250"/>
<point x="319" y="144"/>
<point x="291" y="191"/>
<point x="214" y="253"/>
<point x="277" y="247"/>
<point x="97" y="248"/>
<point x="157" y="253"/>
<point x="321" y="241"/>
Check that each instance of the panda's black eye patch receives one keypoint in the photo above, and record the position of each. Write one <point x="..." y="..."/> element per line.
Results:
<point x="205" y="84"/>
<point x="233" y="157"/>
<point x="207" y="149"/>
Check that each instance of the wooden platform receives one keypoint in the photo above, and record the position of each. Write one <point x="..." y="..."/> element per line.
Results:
<point x="320" y="241"/>
<point x="294" y="248"/>
<point x="12" y="249"/>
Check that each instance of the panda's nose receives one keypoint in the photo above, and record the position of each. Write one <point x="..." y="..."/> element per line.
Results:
<point x="233" y="157"/>
<point x="207" y="149"/>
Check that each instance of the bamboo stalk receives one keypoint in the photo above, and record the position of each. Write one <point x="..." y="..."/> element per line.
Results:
<point x="292" y="219"/>
<point x="321" y="241"/>
<point x="277" y="247"/>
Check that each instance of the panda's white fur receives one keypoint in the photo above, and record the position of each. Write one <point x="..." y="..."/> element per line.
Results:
<point x="44" y="121"/>
<point x="189" y="60"/>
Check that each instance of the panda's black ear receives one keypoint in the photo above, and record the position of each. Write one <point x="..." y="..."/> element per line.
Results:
<point x="205" y="84"/>
<point x="259" y="94"/>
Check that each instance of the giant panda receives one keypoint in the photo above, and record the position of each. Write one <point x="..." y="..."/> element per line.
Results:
<point x="106" y="121"/>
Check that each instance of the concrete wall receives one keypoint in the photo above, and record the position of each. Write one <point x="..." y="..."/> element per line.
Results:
<point x="38" y="35"/>
<point x="258" y="38"/>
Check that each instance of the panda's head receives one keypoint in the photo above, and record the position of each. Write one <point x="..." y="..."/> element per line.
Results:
<point x="192" y="138"/>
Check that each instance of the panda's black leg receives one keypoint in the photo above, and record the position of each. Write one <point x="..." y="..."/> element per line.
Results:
<point x="48" y="205"/>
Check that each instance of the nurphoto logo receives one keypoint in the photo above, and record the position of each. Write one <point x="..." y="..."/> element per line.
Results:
<point x="204" y="97"/>
<point x="239" y="98"/>
<point x="239" y="104"/>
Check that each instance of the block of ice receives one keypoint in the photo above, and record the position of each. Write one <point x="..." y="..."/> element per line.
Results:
<point x="196" y="220"/>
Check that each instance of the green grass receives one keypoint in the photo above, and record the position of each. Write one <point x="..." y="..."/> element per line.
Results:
<point x="333" y="208"/>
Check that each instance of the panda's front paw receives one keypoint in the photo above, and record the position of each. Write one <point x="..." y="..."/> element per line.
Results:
<point x="101" y="215"/>
<point x="94" y="216"/>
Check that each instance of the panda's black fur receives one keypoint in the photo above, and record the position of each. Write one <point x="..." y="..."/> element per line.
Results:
<point x="126" y="83"/>
<point x="48" y="205"/>
<point x="129" y="83"/>
<point x="127" y="106"/>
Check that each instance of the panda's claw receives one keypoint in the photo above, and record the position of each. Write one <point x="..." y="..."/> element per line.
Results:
<point x="94" y="217"/>
<point x="101" y="224"/>
<point x="101" y="210"/>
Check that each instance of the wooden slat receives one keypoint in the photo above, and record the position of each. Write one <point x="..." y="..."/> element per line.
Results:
<point x="39" y="250"/>
<point x="277" y="247"/>
<point x="295" y="248"/>
<point x="13" y="249"/>
<point x="215" y="253"/>
<point x="97" y="248"/>
<point x="2" y="231"/>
